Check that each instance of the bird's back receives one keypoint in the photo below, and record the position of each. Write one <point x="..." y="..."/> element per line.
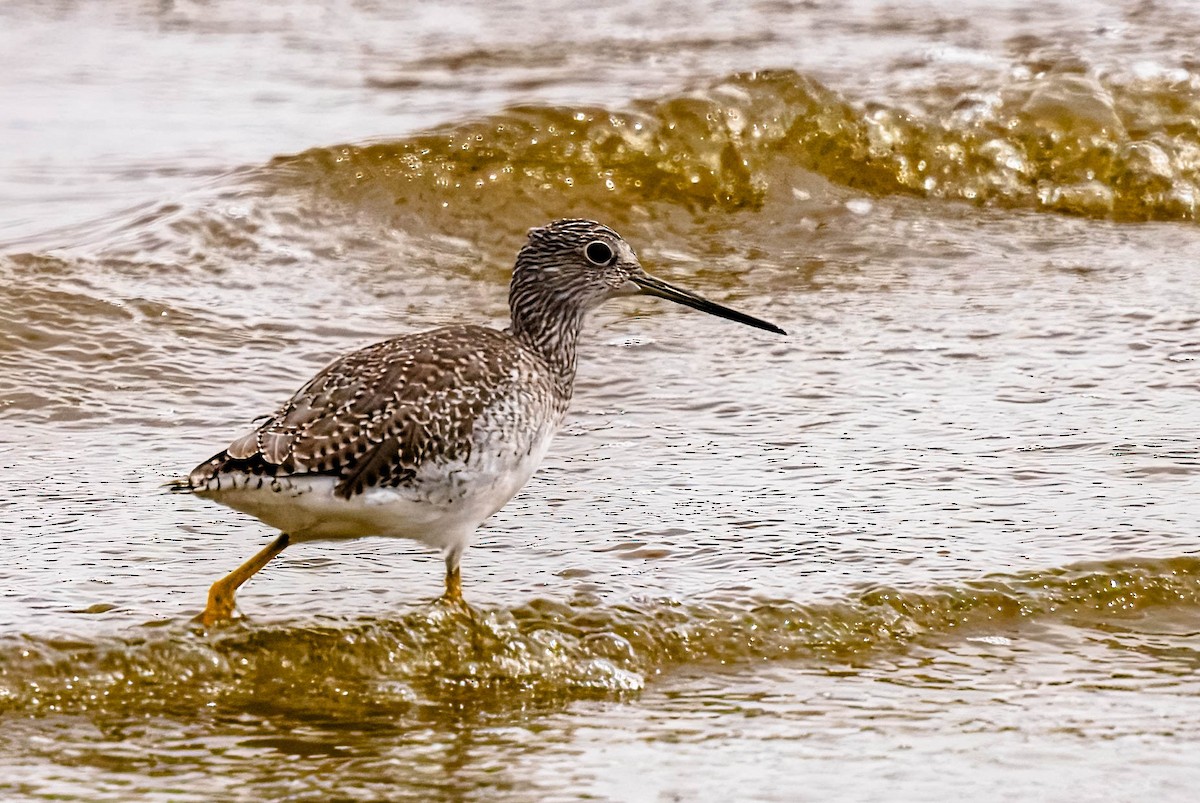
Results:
<point x="431" y="417"/>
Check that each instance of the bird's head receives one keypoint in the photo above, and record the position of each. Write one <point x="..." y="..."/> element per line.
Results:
<point x="578" y="264"/>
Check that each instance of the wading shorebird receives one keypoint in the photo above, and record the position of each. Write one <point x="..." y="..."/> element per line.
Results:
<point x="426" y="435"/>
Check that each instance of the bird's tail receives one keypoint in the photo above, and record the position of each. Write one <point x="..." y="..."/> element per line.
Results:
<point x="179" y="485"/>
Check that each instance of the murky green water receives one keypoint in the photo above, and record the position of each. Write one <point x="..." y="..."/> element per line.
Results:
<point x="941" y="540"/>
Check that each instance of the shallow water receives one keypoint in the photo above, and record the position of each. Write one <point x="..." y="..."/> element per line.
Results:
<point x="942" y="537"/>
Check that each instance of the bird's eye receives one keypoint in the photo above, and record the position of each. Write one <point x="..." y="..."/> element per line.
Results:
<point x="598" y="252"/>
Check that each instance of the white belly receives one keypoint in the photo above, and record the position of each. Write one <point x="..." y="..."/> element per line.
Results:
<point x="446" y="504"/>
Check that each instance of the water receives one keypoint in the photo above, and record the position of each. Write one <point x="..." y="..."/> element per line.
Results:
<point x="940" y="538"/>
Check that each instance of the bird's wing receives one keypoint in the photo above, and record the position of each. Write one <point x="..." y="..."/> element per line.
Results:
<point x="374" y="416"/>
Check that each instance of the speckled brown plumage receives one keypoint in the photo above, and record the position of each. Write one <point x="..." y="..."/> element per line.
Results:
<point x="374" y="417"/>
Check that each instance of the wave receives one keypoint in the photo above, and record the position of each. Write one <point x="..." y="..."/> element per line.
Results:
<point x="549" y="652"/>
<point x="1114" y="146"/>
<point x="1121" y="146"/>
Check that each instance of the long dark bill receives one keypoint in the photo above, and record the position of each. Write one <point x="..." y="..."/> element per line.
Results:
<point x="652" y="286"/>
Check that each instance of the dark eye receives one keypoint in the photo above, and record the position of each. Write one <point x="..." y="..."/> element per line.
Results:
<point x="598" y="253"/>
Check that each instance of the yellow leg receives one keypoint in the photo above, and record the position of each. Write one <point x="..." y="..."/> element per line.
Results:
<point x="221" y="595"/>
<point x="453" y="593"/>
<point x="453" y="597"/>
<point x="453" y="585"/>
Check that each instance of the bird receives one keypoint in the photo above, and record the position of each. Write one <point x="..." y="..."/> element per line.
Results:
<point x="426" y="435"/>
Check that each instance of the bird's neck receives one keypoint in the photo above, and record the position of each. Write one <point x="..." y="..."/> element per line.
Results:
<point x="548" y="325"/>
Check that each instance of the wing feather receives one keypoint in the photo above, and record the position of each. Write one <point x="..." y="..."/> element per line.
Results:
<point x="375" y="416"/>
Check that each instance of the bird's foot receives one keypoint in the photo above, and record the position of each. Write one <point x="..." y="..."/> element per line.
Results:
<point x="451" y="607"/>
<point x="218" y="611"/>
<point x="455" y="602"/>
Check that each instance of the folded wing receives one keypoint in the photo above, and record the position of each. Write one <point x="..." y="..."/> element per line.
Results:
<point x="375" y="416"/>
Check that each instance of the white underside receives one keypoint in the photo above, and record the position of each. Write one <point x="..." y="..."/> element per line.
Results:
<point x="437" y="511"/>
